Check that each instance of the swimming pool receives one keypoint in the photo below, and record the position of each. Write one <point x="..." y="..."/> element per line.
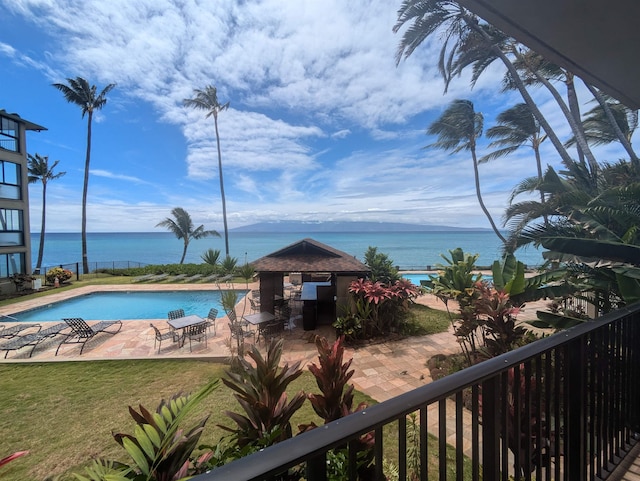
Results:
<point x="416" y="278"/>
<point x="110" y="306"/>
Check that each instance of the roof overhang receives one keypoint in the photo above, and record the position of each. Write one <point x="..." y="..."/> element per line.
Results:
<point x="27" y="125"/>
<point x="595" y="39"/>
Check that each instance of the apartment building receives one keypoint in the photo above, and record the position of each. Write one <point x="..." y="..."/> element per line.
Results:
<point x="15" y="238"/>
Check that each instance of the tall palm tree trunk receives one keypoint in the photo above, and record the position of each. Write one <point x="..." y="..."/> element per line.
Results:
<point x="184" y="251"/>
<point x="224" y="202"/>
<point x="42" y="229"/>
<point x="476" y="174"/>
<point x="85" y="260"/>
<point x="614" y="124"/>
<point x="564" y="155"/>
<point x="574" y="107"/>
<point x="581" y="140"/>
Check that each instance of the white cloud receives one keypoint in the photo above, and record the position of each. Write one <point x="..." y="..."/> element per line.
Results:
<point x="321" y="120"/>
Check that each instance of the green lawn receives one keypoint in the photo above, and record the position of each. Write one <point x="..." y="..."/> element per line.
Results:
<point x="422" y="321"/>
<point x="63" y="413"/>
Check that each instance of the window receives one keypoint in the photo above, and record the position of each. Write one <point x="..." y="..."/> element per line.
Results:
<point x="9" y="134"/>
<point x="11" y="264"/>
<point x="11" y="233"/>
<point x="10" y="180"/>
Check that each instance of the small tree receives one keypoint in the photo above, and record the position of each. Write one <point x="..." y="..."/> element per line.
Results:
<point x="382" y="268"/>
<point x="182" y="226"/>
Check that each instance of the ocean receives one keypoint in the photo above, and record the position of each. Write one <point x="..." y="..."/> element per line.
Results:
<point x="407" y="250"/>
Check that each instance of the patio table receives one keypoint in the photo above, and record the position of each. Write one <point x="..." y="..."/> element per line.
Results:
<point x="184" y="322"/>
<point x="259" y="318"/>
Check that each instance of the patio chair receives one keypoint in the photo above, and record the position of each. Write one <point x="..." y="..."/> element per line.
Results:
<point x="255" y="305"/>
<point x="239" y="331"/>
<point x="158" y="278"/>
<point x="143" y="278"/>
<point x="211" y="319"/>
<point x="177" y="278"/>
<point x="13" y="331"/>
<point x="269" y="330"/>
<point x="284" y="318"/>
<point x="163" y="336"/>
<point x="196" y="332"/>
<point x="175" y="314"/>
<point x="33" y="339"/>
<point x="81" y="332"/>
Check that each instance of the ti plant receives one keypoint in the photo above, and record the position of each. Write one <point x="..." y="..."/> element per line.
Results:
<point x="336" y="401"/>
<point x="160" y="449"/>
<point x="332" y="375"/>
<point x="260" y="389"/>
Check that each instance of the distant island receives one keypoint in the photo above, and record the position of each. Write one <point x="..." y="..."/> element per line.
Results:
<point x="334" y="226"/>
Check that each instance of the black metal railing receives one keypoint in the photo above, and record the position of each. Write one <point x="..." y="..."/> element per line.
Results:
<point x="566" y="407"/>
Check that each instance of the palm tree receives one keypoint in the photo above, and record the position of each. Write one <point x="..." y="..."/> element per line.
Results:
<point x="207" y="100"/>
<point x="610" y="121"/>
<point x="516" y="127"/>
<point x="39" y="170"/>
<point x="79" y="92"/>
<point x="465" y="41"/>
<point x="182" y="226"/>
<point x="457" y="129"/>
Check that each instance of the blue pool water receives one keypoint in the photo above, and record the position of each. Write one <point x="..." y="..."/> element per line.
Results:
<point x="108" y="306"/>
<point x="416" y="278"/>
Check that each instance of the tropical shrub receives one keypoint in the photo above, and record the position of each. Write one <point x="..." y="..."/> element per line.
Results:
<point x="260" y="389"/>
<point x="211" y="257"/>
<point x="349" y="326"/>
<point x="159" y="448"/>
<point x="486" y="322"/>
<point x="335" y="402"/>
<point x="63" y="275"/>
<point x="332" y="375"/>
<point x="382" y="307"/>
<point x="382" y="268"/>
<point x="228" y="265"/>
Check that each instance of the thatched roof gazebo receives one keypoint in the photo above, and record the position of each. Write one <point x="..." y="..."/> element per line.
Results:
<point x="307" y="261"/>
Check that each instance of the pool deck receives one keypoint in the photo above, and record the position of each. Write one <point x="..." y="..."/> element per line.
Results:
<point x="382" y="370"/>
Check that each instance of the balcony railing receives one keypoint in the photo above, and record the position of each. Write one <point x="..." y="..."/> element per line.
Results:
<point x="566" y="407"/>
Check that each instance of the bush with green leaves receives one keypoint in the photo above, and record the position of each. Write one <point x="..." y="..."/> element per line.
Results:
<point x="63" y="275"/>
<point x="159" y="448"/>
<point x="382" y="268"/>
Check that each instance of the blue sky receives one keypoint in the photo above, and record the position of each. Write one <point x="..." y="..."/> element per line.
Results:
<point x="322" y="125"/>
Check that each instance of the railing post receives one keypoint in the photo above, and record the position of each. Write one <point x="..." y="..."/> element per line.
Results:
<point x="317" y="468"/>
<point x="490" y="429"/>
<point x="575" y="445"/>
